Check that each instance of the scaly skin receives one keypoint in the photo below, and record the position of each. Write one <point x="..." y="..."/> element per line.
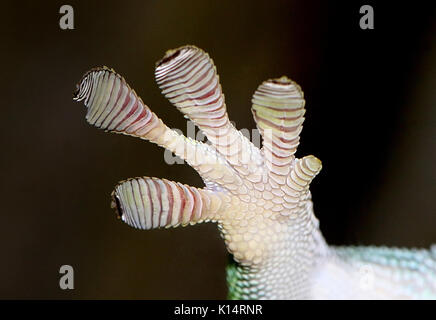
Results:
<point x="259" y="198"/>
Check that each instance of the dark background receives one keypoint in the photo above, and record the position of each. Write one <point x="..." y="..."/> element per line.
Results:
<point x="371" y="119"/>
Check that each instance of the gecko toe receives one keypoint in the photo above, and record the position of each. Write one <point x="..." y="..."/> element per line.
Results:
<point x="115" y="204"/>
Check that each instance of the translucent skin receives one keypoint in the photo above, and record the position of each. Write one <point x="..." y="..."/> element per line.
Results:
<point x="259" y="198"/>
